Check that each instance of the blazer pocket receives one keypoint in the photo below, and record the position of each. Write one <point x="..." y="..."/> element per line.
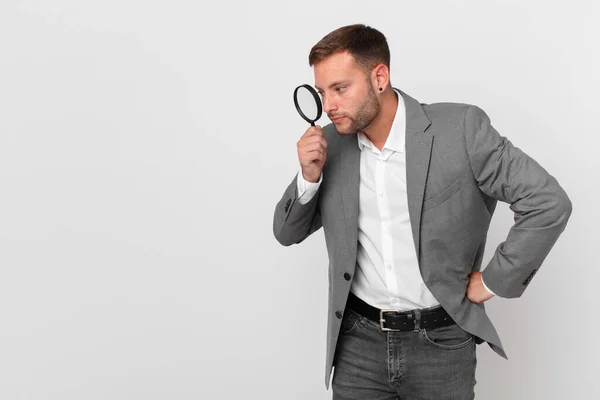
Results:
<point x="442" y="196"/>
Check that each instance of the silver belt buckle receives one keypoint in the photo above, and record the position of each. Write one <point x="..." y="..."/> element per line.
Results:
<point x="382" y="321"/>
<point x="416" y="320"/>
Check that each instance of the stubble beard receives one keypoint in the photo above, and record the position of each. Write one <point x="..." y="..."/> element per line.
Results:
<point x="366" y="113"/>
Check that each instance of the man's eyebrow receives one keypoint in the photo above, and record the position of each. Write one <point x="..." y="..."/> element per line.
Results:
<point x="334" y="84"/>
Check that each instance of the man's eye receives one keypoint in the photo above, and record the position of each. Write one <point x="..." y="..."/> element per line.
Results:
<point x="340" y="89"/>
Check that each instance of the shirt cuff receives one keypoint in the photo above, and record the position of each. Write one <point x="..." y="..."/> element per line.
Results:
<point x="307" y="190"/>
<point x="487" y="288"/>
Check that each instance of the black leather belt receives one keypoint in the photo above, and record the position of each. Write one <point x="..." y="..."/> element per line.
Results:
<point x="394" y="320"/>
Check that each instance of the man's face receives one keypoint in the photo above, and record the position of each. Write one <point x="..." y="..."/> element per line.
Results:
<point x="347" y="93"/>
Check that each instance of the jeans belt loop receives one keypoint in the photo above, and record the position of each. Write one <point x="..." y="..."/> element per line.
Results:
<point x="417" y="321"/>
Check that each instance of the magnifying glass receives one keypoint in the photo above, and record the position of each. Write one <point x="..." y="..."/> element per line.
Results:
<point x="308" y="103"/>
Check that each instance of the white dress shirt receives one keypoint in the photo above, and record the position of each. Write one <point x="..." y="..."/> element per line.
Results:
<point x="387" y="273"/>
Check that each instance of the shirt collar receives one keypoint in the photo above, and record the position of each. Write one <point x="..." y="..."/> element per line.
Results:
<point x="396" y="138"/>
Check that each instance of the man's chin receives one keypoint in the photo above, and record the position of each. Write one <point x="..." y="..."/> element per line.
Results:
<point x="345" y="131"/>
<point x="342" y="129"/>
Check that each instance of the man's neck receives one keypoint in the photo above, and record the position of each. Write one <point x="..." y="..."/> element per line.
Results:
<point x="379" y="130"/>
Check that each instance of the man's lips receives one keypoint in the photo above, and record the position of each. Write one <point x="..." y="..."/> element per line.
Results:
<point x="335" y="119"/>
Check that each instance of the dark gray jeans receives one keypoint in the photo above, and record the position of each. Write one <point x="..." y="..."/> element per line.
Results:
<point x="370" y="364"/>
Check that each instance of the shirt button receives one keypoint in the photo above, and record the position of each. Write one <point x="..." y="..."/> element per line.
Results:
<point x="394" y="301"/>
<point x="338" y="315"/>
<point x="347" y="276"/>
<point x="388" y="266"/>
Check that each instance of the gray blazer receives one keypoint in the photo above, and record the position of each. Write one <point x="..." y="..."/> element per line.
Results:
<point x="457" y="168"/>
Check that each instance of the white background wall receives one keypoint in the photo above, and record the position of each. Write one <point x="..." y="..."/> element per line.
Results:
<point x="144" y="145"/>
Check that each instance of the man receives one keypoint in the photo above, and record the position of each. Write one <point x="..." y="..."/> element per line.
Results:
<point x="405" y="193"/>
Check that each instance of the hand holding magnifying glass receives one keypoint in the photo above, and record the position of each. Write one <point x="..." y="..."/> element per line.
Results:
<point x="312" y="146"/>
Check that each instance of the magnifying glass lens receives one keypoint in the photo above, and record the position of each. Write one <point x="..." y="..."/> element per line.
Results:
<point x="307" y="103"/>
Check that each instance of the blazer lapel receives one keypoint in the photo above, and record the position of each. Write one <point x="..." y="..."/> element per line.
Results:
<point x="418" y="154"/>
<point x="350" y="179"/>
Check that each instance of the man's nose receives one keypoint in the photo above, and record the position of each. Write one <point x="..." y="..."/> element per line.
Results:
<point x="328" y="105"/>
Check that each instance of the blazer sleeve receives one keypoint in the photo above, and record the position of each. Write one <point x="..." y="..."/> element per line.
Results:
<point x="541" y="207"/>
<point x="293" y="221"/>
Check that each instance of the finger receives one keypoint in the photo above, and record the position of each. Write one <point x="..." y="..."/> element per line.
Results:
<point x="313" y="156"/>
<point x="304" y="141"/>
<point x="318" y="146"/>
<point x="313" y="131"/>
<point x="314" y="139"/>
<point x="312" y="142"/>
<point x="321" y="140"/>
<point x="317" y="156"/>
<point x="310" y="157"/>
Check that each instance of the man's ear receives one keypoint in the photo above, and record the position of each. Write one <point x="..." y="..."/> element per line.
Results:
<point x="381" y="76"/>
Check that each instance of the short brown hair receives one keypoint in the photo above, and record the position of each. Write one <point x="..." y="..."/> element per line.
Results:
<point x="367" y="45"/>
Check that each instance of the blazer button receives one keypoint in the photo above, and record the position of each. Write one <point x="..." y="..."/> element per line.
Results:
<point x="338" y="314"/>
<point x="347" y="276"/>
